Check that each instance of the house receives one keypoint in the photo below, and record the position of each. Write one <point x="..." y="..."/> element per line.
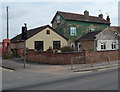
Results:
<point x="41" y="39"/>
<point x="103" y="40"/>
<point x="74" y="25"/>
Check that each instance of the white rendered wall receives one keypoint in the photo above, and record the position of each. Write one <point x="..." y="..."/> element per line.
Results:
<point x="108" y="44"/>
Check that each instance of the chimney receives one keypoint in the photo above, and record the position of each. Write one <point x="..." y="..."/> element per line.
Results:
<point x="100" y="16"/>
<point x="86" y="14"/>
<point x="108" y="18"/>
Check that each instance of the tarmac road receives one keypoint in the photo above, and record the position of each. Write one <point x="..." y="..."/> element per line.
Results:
<point x="97" y="80"/>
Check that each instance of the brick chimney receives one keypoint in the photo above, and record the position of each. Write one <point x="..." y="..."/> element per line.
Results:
<point x="86" y="14"/>
<point x="100" y="16"/>
<point x="108" y="18"/>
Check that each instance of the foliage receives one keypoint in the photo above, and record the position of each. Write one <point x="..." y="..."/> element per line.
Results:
<point x="66" y="49"/>
<point x="90" y="50"/>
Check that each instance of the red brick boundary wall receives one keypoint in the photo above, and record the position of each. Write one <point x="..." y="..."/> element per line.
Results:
<point x="102" y="56"/>
<point x="55" y="58"/>
<point x="76" y="57"/>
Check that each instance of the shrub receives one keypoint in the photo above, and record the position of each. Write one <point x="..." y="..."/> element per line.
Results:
<point x="66" y="49"/>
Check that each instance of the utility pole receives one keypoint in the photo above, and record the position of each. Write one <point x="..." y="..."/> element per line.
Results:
<point x="7" y="24"/>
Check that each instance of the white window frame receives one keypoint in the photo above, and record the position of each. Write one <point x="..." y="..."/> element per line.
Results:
<point x="91" y="29"/>
<point x="58" y="19"/>
<point x="114" y="45"/>
<point x="104" y="46"/>
<point x="73" y="31"/>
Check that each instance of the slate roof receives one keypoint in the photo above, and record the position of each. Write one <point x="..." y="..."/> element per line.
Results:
<point x="88" y="36"/>
<point x="34" y="31"/>
<point x="80" y="17"/>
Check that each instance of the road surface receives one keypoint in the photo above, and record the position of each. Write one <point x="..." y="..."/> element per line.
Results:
<point x="97" y="80"/>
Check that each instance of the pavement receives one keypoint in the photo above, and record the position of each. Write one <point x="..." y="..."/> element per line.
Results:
<point x="17" y="64"/>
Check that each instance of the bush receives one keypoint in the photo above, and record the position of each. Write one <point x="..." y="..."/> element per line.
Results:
<point x="66" y="49"/>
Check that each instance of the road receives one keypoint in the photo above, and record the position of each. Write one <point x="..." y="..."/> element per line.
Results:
<point x="97" y="80"/>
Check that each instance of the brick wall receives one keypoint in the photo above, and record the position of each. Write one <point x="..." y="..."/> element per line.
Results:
<point x="87" y="45"/>
<point x="55" y="58"/>
<point x="102" y="56"/>
<point x="65" y="58"/>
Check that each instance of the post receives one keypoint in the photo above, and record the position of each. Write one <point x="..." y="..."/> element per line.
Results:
<point x="92" y="61"/>
<point x="24" y="53"/>
<point x="7" y="24"/>
<point x="72" y="67"/>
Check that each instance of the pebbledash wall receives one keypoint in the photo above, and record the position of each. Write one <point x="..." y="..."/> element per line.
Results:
<point x="76" y="58"/>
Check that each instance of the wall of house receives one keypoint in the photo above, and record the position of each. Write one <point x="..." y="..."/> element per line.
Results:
<point x="82" y="27"/>
<point x="17" y="45"/>
<point x="47" y="38"/>
<point x="107" y="36"/>
<point x="86" y="45"/>
<point x="108" y="44"/>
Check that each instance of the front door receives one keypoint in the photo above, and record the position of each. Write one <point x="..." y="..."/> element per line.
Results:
<point x="39" y="45"/>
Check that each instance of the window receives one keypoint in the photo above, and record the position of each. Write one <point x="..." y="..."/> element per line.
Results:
<point x="90" y="29"/>
<point x="56" y="45"/>
<point x="72" y="45"/>
<point x="38" y="45"/>
<point x="47" y="31"/>
<point x="73" y="31"/>
<point x="103" y="46"/>
<point x="58" y="19"/>
<point x="113" y="45"/>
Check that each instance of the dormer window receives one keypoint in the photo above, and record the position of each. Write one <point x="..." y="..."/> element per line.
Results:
<point x="58" y="19"/>
<point x="91" y="29"/>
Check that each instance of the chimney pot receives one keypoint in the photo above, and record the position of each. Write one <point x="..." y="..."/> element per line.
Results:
<point x="100" y="16"/>
<point x="86" y="14"/>
<point x="108" y="18"/>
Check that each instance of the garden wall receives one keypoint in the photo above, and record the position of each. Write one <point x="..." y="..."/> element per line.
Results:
<point x="55" y="58"/>
<point x="67" y="58"/>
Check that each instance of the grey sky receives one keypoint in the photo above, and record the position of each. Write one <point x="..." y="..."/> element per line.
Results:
<point x="36" y="14"/>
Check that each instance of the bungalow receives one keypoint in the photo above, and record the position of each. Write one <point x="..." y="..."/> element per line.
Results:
<point x="103" y="40"/>
<point x="41" y="39"/>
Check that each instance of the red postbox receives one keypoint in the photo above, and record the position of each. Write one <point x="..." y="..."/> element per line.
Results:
<point x="6" y="45"/>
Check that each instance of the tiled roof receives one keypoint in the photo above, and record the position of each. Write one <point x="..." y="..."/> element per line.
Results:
<point x="80" y="17"/>
<point x="32" y="32"/>
<point x="116" y="29"/>
<point x="88" y="36"/>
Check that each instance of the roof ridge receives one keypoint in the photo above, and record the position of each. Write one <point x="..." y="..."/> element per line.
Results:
<point x="80" y="14"/>
<point x="38" y="27"/>
<point x="81" y="17"/>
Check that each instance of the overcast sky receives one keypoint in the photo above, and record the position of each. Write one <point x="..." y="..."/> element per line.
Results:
<point x="37" y="14"/>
